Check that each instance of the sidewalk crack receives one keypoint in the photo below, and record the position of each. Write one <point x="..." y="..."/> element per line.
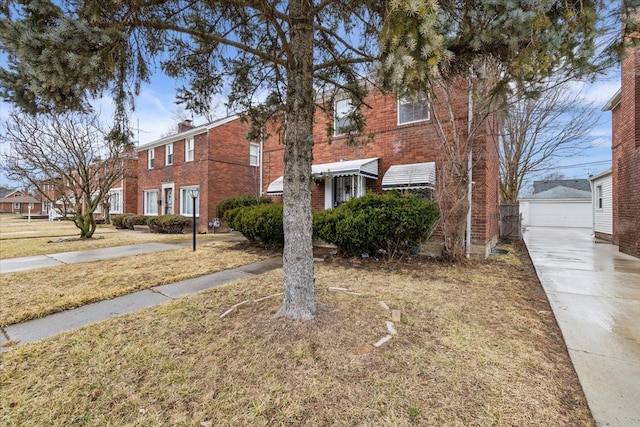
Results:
<point x="155" y="291"/>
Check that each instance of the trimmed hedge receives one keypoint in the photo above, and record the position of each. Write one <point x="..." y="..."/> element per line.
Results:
<point x="128" y="220"/>
<point x="393" y="224"/>
<point x="259" y="223"/>
<point x="169" y="224"/>
<point x="237" y="202"/>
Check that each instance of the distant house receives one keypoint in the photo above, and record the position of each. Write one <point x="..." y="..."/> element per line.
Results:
<point x="625" y="167"/>
<point x="210" y="163"/>
<point x="18" y="202"/>
<point x="602" y="203"/>
<point x="558" y="206"/>
<point x="578" y="184"/>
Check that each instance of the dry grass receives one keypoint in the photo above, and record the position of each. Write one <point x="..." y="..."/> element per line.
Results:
<point x="19" y="239"/>
<point x="36" y="293"/>
<point x="478" y="346"/>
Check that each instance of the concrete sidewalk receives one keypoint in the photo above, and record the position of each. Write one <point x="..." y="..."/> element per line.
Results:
<point x="594" y="292"/>
<point x="32" y="262"/>
<point x="38" y="329"/>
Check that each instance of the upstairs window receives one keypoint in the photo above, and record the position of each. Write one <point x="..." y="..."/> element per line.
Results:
<point x="168" y="154"/>
<point x="254" y="154"/>
<point x="343" y="120"/>
<point x="151" y="158"/>
<point x="410" y="111"/>
<point x="189" y="149"/>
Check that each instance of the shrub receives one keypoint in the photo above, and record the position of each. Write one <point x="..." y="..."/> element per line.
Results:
<point x="238" y="202"/>
<point x="169" y="224"/>
<point x="393" y="223"/>
<point x="121" y="221"/>
<point x="260" y="223"/>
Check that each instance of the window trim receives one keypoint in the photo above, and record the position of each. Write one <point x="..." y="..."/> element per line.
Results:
<point x="599" y="198"/>
<point x="336" y="131"/>
<point x="151" y="158"/>
<point x="189" y="142"/>
<point x="184" y="196"/>
<point x="168" y="154"/>
<point x="405" y="101"/>
<point x="111" y="208"/>
<point x="257" y="154"/>
<point x="146" y="204"/>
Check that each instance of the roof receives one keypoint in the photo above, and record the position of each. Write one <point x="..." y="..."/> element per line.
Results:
<point x="4" y="192"/>
<point x="578" y="184"/>
<point x="560" y="192"/>
<point x="613" y="102"/>
<point x="19" y="199"/>
<point x="188" y="133"/>
<point x="601" y="175"/>
<point x="415" y="175"/>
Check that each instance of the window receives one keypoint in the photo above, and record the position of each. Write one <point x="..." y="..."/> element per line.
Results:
<point x="347" y="188"/>
<point x="186" y="202"/>
<point x="189" y="148"/>
<point x="599" y="196"/>
<point x="151" y="202"/>
<point x="343" y="116"/>
<point x="151" y="158"/>
<point x="168" y="154"/>
<point x="410" y="111"/>
<point x="115" y="201"/>
<point x="254" y="154"/>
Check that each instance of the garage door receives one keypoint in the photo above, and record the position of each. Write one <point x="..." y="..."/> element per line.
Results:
<point x="560" y="214"/>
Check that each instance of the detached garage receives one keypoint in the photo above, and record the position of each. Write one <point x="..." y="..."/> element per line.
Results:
<point x="557" y="207"/>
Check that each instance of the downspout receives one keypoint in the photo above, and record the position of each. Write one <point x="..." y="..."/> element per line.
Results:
<point x="261" y="166"/>
<point x="469" y="173"/>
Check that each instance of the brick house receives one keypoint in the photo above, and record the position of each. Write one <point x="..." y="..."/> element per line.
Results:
<point x="18" y="202"/>
<point x="405" y="153"/>
<point x="625" y="108"/>
<point x="216" y="159"/>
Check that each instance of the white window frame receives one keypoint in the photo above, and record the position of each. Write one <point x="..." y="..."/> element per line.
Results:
<point x="146" y="201"/>
<point x="189" y="149"/>
<point x="414" y="105"/>
<point x="599" y="198"/>
<point x="115" y="208"/>
<point x="168" y="154"/>
<point x="151" y="158"/>
<point x="342" y="108"/>
<point x="254" y="154"/>
<point x="186" y="203"/>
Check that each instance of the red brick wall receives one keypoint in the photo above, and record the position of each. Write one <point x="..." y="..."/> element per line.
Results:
<point x="402" y="144"/>
<point x="626" y="159"/>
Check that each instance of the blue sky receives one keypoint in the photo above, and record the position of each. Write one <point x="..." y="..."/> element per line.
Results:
<point x="156" y="115"/>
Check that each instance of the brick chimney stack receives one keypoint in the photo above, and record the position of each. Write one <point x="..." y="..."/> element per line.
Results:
<point x="184" y="126"/>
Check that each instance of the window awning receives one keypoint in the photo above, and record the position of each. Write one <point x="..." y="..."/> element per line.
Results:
<point x="365" y="167"/>
<point x="412" y="176"/>
<point x="275" y="188"/>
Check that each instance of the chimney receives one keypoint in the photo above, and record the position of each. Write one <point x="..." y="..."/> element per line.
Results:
<point x="184" y="126"/>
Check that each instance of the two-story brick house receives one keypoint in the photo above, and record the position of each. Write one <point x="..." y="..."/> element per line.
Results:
<point x="405" y="153"/>
<point x="211" y="162"/>
<point x="625" y="108"/>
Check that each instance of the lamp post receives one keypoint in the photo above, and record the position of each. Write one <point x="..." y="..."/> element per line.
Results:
<point x="194" y="193"/>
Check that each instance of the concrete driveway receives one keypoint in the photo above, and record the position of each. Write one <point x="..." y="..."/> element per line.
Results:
<point x="594" y="291"/>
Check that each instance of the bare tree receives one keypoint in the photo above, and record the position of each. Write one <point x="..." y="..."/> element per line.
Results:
<point x="537" y="131"/>
<point x="68" y="158"/>
<point x="457" y="134"/>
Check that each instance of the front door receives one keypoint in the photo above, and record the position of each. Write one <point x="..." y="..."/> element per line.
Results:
<point x="168" y="201"/>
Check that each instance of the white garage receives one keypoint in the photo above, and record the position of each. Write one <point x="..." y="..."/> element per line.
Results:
<point x="557" y="207"/>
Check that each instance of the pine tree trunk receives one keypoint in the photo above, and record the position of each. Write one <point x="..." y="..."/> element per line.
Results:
<point x="299" y="301"/>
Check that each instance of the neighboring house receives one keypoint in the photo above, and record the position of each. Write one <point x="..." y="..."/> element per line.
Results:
<point x="625" y="167"/>
<point x="123" y="196"/>
<point x="602" y="184"/>
<point x="558" y="206"/>
<point x="211" y="162"/>
<point x="18" y="202"/>
<point x="405" y="153"/>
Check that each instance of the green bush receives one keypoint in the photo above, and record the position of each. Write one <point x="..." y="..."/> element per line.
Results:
<point x="169" y="224"/>
<point x="121" y="221"/>
<point x="392" y="223"/>
<point x="260" y="223"/>
<point x="238" y="202"/>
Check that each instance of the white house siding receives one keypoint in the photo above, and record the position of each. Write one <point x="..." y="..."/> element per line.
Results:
<point x="603" y="216"/>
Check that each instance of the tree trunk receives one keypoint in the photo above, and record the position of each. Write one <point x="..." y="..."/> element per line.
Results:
<point x="299" y="301"/>
<point x="87" y="225"/>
